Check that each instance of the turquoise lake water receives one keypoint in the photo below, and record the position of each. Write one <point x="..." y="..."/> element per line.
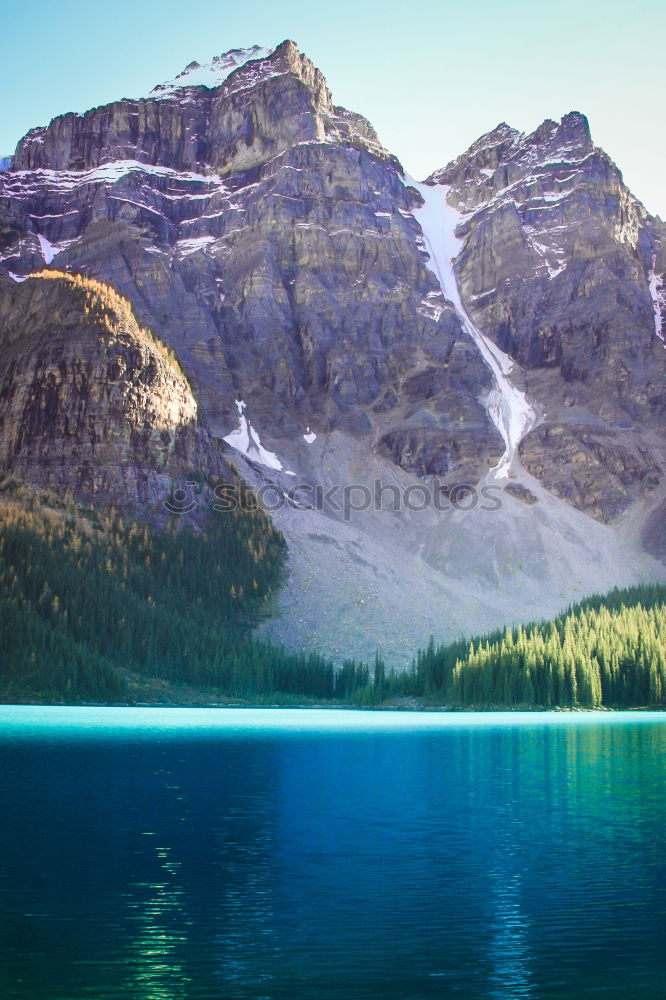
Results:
<point x="242" y="853"/>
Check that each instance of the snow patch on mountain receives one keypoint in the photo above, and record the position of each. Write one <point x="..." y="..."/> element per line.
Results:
<point x="658" y="295"/>
<point x="506" y="405"/>
<point x="47" y="250"/>
<point x="33" y="181"/>
<point x="184" y="248"/>
<point x="246" y="440"/>
<point x="35" y="243"/>
<point x="554" y="256"/>
<point x="213" y="74"/>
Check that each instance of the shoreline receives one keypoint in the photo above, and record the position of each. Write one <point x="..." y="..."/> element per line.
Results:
<point x="342" y="707"/>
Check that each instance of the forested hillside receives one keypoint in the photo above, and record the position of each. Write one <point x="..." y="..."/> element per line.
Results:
<point x="88" y="599"/>
<point x="86" y="596"/>
<point x="609" y="650"/>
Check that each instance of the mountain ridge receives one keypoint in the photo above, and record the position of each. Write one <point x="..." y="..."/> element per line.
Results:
<point x="268" y="238"/>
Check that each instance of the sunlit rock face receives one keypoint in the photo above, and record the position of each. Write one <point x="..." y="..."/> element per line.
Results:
<point x="89" y="402"/>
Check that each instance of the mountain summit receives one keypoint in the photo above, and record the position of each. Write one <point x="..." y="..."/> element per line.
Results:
<point x="495" y="327"/>
<point x="215" y="73"/>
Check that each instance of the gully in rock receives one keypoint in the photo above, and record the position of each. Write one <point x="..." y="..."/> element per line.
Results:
<point x="507" y="406"/>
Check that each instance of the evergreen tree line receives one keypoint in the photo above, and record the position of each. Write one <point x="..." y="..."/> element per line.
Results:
<point x="86" y="596"/>
<point x="607" y="650"/>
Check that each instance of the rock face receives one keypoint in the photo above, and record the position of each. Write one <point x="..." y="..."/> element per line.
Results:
<point x="591" y="467"/>
<point x="268" y="237"/>
<point x="561" y="268"/>
<point x="253" y="108"/>
<point x="270" y="240"/>
<point x="88" y="400"/>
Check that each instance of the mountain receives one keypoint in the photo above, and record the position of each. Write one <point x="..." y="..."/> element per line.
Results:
<point x="485" y="345"/>
<point x="559" y="269"/>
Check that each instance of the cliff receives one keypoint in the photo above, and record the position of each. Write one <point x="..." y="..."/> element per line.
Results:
<point x="89" y="400"/>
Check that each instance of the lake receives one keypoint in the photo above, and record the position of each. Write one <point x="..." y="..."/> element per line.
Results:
<point x="258" y="853"/>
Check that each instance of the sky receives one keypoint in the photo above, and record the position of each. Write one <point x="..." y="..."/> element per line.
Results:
<point x="431" y="76"/>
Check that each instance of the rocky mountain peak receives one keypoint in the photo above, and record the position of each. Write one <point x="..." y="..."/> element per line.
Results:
<point x="234" y="114"/>
<point x="501" y="134"/>
<point x="570" y="234"/>
<point x="213" y="74"/>
<point x="482" y="157"/>
<point x="576" y="126"/>
<point x="499" y="158"/>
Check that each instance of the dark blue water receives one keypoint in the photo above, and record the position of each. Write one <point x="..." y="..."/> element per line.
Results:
<point x="150" y="853"/>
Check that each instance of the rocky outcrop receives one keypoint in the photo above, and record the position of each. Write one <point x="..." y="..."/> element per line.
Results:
<point x="263" y="107"/>
<point x="281" y="261"/>
<point x="89" y="401"/>
<point x="654" y="532"/>
<point x="522" y="493"/>
<point x="556" y="260"/>
<point x="561" y="268"/>
<point x="590" y="467"/>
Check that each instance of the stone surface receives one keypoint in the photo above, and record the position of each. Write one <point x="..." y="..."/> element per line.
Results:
<point x="281" y="262"/>
<point x="522" y="493"/>
<point x="556" y="270"/>
<point x="89" y="401"/>
<point x="587" y="466"/>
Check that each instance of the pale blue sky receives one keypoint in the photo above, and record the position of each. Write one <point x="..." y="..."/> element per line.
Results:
<point x="431" y="76"/>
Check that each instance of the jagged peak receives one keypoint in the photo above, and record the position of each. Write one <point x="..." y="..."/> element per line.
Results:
<point x="268" y="61"/>
<point x="550" y="138"/>
<point x="215" y="73"/>
<point x="543" y="131"/>
<point x="502" y="133"/>
<point x="572" y="131"/>
<point x="577" y="121"/>
<point x="287" y="46"/>
<point x="503" y="129"/>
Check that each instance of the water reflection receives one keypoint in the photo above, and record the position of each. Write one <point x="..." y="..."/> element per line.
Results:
<point x="476" y="862"/>
<point x="157" y="921"/>
<point x="509" y="954"/>
<point x="246" y="948"/>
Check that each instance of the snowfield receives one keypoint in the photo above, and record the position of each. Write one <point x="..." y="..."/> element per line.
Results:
<point x="246" y="440"/>
<point x="506" y="405"/>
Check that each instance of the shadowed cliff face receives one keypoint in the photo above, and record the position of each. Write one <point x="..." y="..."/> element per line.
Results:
<point x="88" y="400"/>
<point x="562" y="268"/>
